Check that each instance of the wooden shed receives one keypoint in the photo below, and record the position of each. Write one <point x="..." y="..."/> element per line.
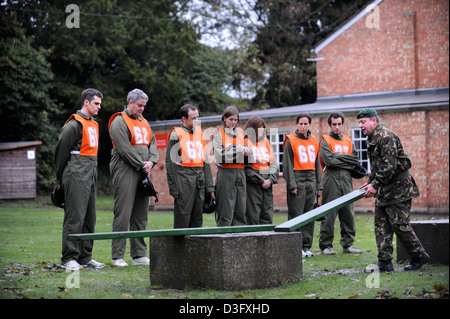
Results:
<point x="18" y="170"/>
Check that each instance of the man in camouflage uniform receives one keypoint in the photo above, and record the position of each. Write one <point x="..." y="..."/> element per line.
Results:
<point x="393" y="187"/>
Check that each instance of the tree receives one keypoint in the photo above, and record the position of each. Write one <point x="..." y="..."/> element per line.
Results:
<point x="119" y="46"/>
<point x="206" y="86"/>
<point x="25" y="83"/>
<point x="289" y="31"/>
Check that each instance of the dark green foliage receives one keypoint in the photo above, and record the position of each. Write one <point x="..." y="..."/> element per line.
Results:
<point x="25" y="107"/>
<point x="119" y="46"/>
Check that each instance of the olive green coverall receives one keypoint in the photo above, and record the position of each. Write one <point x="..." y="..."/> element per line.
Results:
<point x="189" y="184"/>
<point x="78" y="175"/>
<point x="259" y="206"/>
<point x="130" y="207"/>
<point x="230" y="189"/>
<point x="337" y="182"/>
<point x="306" y="182"/>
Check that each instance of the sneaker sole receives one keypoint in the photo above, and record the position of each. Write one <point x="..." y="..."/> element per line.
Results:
<point x="120" y="266"/>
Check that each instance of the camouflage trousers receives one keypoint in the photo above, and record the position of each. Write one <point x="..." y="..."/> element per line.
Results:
<point x="395" y="219"/>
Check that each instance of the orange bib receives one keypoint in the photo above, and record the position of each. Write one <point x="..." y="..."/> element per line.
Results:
<point x="89" y="141"/>
<point x="192" y="147"/>
<point x="262" y="154"/>
<point x="336" y="146"/>
<point x="140" y="130"/>
<point x="305" y="152"/>
<point x="230" y="141"/>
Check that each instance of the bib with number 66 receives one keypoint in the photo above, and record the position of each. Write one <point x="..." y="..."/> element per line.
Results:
<point x="305" y="152"/>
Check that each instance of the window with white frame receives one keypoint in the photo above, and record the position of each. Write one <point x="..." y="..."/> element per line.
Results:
<point x="276" y="139"/>
<point x="360" y="142"/>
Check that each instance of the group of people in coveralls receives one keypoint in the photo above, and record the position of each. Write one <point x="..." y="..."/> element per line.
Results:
<point x="247" y="170"/>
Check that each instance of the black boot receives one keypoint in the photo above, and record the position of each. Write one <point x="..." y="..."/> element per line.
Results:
<point x="383" y="266"/>
<point x="416" y="263"/>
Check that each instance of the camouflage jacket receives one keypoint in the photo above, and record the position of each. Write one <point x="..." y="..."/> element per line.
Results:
<point x="390" y="168"/>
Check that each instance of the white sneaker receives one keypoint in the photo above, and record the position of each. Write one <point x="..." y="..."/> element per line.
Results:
<point x="94" y="264"/>
<point x="119" y="263"/>
<point x="307" y="253"/>
<point x="328" y="251"/>
<point x="141" y="261"/>
<point x="71" y="265"/>
<point x="352" y="250"/>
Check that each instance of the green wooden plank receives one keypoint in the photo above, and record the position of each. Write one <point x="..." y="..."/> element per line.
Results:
<point x="319" y="212"/>
<point x="171" y="232"/>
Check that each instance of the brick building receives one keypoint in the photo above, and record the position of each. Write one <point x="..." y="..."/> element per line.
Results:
<point x="392" y="56"/>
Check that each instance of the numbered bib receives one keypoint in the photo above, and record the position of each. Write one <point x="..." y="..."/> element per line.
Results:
<point x="337" y="146"/>
<point x="262" y="154"/>
<point x="192" y="147"/>
<point x="139" y="129"/>
<point x="89" y="141"/>
<point x="305" y="152"/>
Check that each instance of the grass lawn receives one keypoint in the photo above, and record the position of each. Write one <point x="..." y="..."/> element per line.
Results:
<point x="30" y="251"/>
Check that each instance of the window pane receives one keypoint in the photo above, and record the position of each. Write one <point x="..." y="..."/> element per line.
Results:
<point x="364" y="144"/>
<point x="280" y="148"/>
<point x="276" y="141"/>
<point x="360" y="143"/>
<point x="364" y="155"/>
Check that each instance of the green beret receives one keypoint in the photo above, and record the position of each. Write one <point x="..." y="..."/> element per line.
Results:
<point x="366" y="113"/>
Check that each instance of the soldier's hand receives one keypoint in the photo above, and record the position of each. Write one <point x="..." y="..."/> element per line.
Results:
<point x="370" y="190"/>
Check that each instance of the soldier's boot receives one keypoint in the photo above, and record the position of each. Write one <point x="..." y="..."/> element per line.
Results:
<point x="385" y="266"/>
<point x="382" y="266"/>
<point x="416" y="263"/>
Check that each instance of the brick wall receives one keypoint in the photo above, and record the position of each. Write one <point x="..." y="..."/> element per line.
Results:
<point x="437" y="164"/>
<point x="409" y="50"/>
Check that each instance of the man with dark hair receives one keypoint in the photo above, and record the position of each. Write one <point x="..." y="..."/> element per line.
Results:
<point x="394" y="188"/>
<point x="188" y="172"/>
<point x="337" y="157"/>
<point x="76" y="171"/>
